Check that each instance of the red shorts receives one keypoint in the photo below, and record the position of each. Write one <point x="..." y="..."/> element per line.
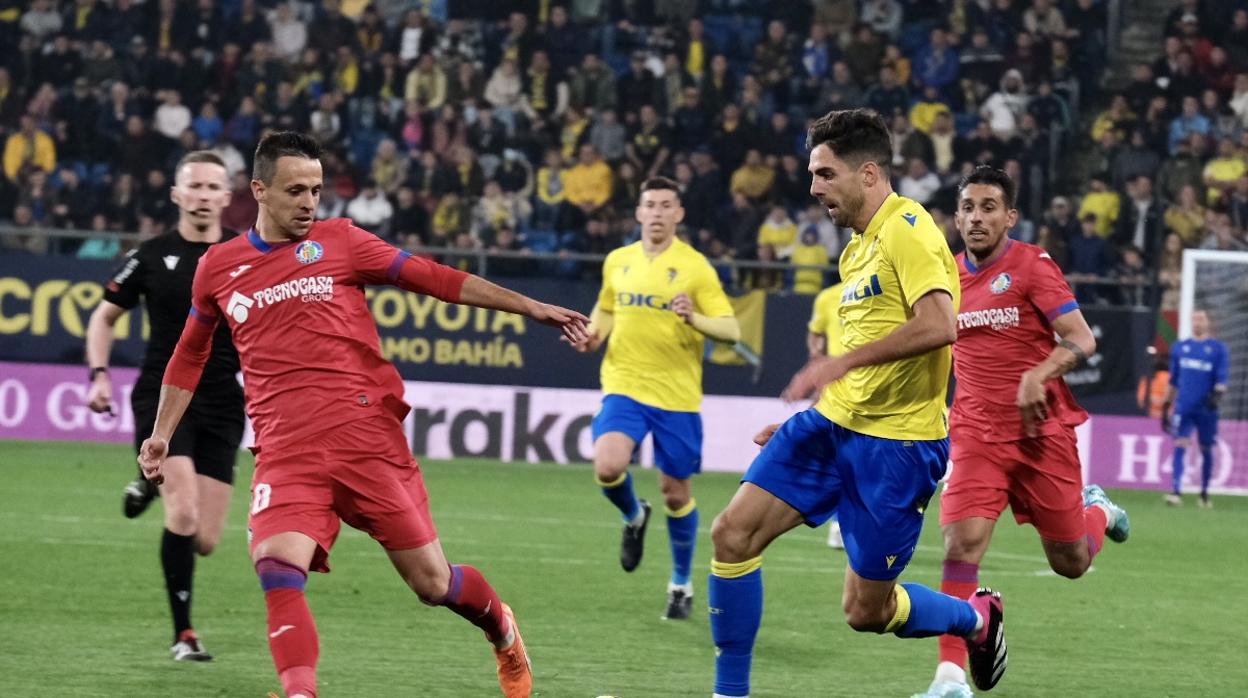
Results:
<point x="1039" y="478"/>
<point x="361" y="472"/>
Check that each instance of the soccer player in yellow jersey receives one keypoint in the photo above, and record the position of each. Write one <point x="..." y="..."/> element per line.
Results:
<point x="660" y="299"/>
<point x="876" y="444"/>
<point x="823" y="338"/>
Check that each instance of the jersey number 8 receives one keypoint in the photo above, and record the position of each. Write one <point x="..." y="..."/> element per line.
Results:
<point x="260" y="495"/>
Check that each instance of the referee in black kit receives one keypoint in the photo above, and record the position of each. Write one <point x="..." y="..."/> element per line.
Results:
<point x="199" y="473"/>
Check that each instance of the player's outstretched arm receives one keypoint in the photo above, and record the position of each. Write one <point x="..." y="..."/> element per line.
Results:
<point x="100" y="335"/>
<point x="1077" y="343"/>
<point x="720" y="329"/>
<point x="484" y="294"/>
<point x="601" y="322"/>
<point x="177" y="388"/>
<point x="933" y="326"/>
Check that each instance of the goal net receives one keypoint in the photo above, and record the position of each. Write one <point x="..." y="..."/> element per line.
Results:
<point x="1217" y="282"/>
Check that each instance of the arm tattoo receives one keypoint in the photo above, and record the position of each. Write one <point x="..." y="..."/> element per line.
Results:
<point x="1080" y="355"/>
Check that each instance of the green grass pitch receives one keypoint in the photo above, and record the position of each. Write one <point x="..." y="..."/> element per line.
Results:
<point x="83" y="613"/>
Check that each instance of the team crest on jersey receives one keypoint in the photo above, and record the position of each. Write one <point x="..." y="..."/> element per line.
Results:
<point x="309" y="251"/>
<point x="671" y="274"/>
<point x="1001" y="283"/>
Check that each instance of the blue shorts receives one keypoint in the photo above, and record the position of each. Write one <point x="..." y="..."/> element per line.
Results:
<point x="677" y="435"/>
<point x="1205" y="422"/>
<point x="878" y="487"/>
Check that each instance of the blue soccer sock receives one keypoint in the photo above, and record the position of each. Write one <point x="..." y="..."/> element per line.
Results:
<point x="1180" y="454"/>
<point x="922" y="612"/>
<point x="734" y="593"/>
<point x="1206" y="470"/>
<point x="620" y="492"/>
<point x="682" y="534"/>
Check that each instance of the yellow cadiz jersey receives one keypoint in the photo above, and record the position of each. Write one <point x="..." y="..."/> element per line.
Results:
<point x="824" y="320"/>
<point x="653" y="357"/>
<point x="900" y="257"/>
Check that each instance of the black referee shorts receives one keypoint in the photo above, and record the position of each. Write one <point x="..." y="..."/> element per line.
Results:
<point x="209" y="434"/>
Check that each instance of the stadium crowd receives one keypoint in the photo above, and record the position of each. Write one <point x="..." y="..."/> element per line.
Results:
<point x="530" y="125"/>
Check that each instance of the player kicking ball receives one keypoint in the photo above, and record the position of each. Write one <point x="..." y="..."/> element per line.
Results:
<point x="1012" y="426"/>
<point x="875" y="445"/>
<point x="327" y="407"/>
<point x="659" y="299"/>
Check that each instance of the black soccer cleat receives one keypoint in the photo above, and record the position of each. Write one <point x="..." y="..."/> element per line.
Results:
<point x="188" y="648"/>
<point x="137" y="497"/>
<point x="633" y="543"/>
<point x="679" y="605"/>
<point x="988" y="654"/>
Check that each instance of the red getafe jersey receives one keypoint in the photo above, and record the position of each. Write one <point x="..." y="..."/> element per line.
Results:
<point x="1003" y="330"/>
<point x="308" y="344"/>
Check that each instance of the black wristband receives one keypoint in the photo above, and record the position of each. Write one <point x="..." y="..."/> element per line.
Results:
<point x="97" y="370"/>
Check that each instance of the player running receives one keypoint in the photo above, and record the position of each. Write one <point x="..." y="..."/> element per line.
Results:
<point x="659" y="299"/>
<point x="823" y="338"/>
<point x="1198" y="373"/>
<point x="1012" y="427"/>
<point x="327" y="407"/>
<point x="875" y="445"/>
<point x="199" y="473"/>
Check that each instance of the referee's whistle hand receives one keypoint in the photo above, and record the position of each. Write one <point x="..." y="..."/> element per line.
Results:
<point x="100" y="395"/>
<point x="152" y="458"/>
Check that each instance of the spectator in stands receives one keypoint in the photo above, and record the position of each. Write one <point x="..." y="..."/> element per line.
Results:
<point x="1090" y="260"/>
<point x="690" y="123"/>
<point x="505" y="91"/>
<point x="592" y="86"/>
<point x="1187" y="217"/>
<point x="505" y="240"/>
<point x="888" y="97"/>
<point x="649" y="145"/>
<point x="779" y="231"/>
<point x="1102" y="202"/>
<point x="884" y="16"/>
<point x="1239" y="204"/>
<point x="1131" y="275"/>
<point x="1170" y="271"/>
<point x="841" y="91"/>
<point x="497" y="209"/>
<point x="1137" y="159"/>
<point x="451" y="218"/>
<point x="1183" y="169"/>
<point x="1005" y="108"/>
<point x="370" y="209"/>
<point x="753" y="178"/>
<point x="426" y="83"/>
<point x="1054" y="245"/>
<point x="809" y="251"/>
<point x="240" y="214"/>
<point x="637" y="87"/>
<point x="1141" y="223"/>
<point x="588" y="188"/>
<point x="1222" y="173"/>
<point x="919" y="183"/>
<point x="1190" y="121"/>
<point x="409" y="226"/>
<point x="551" y="191"/>
<point x="27" y="147"/>
<point x="290" y="34"/>
<point x="937" y="64"/>
<point x="1222" y="234"/>
<point x="863" y="54"/>
<point x="72" y="203"/>
<point x="910" y="143"/>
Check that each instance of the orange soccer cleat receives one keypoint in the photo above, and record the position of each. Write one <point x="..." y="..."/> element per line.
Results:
<point x="515" y="672"/>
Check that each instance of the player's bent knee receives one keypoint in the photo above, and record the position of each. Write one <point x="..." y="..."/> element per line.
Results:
<point x="863" y="618"/>
<point x="184" y="522"/>
<point x="204" y="545"/>
<point x="1069" y="568"/>
<point x="730" y="540"/>
<point x="430" y="584"/>
<point x="608" y="469"/>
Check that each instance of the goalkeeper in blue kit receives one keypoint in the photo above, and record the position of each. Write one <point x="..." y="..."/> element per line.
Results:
<point x="1198" y="376"/>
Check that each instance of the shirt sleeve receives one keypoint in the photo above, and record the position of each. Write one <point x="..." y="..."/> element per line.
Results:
<point x="818" y="315"/>
<point x="1222" y="370"/>
<point x="921" y="259"/>
<point x="606" y="294"/>
<point x="1174" y="363"/>
<point x="125" y="286"/>
<point x="1047" y="288"/>
<point x="195" y="345"/>
<point x="379" y="262"/>
<point x="708" y="296"/>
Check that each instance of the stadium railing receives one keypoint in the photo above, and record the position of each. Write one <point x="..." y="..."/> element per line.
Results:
<point x="1137" y="293"/>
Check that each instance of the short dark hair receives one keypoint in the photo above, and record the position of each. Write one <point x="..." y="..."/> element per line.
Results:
<point x="987" y="174"/>
<point x="659" y="183"/>
<point x="199" y="156"/>
<point x="854" y="135"/>
<point x="278" y="145"/>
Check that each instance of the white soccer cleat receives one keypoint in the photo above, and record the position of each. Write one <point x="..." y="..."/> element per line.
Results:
<point x="1173" y="500"/>
<point x="946" y="689"/>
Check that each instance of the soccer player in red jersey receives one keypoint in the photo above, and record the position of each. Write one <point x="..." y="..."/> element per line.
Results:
<point x="327" y="407"/>
<point x="1012" y="426"/>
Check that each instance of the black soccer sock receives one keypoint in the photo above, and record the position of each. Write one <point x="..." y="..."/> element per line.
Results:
<point x="177" y="557"/>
